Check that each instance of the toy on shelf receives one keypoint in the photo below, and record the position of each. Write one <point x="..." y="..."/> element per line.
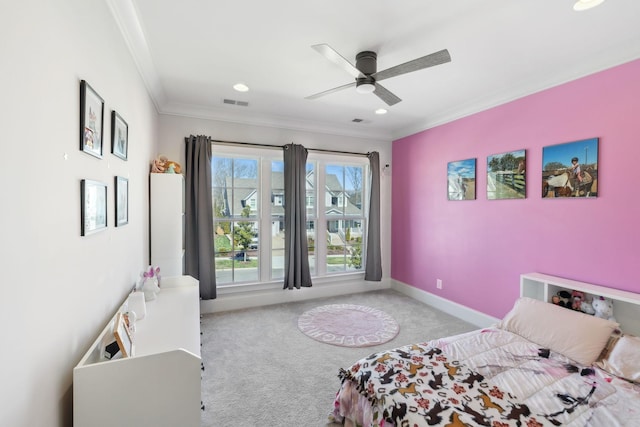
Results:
<point x="562" y="298"/>
<point x="577" y="298"/>
<point x="162" y="164"/>
<point x="603" y="308"/>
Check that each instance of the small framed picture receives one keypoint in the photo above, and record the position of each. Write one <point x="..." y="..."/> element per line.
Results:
<point x="91" y="120"/>
<point x="122" y="336"/>
<point x="461" y="180"/>
<point x="93" y="206"/>
<point x="119" y="136"/>
<point x="122" y="201"/>
<point x="506" y="175"/>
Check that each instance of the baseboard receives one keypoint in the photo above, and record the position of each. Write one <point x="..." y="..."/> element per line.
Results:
<point x="458" y="310"/>
<point x="240" y="300"/>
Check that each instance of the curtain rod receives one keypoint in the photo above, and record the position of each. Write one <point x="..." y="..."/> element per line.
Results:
<point x="254" y="144"/>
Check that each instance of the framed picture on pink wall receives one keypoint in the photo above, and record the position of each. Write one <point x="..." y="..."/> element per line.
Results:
<point x="506" y="175"/>
<point x="570" y="169"/>
<point x="461" y="180"/>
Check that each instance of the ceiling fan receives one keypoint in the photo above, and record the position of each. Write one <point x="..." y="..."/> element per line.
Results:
<point x="366" y="74"/>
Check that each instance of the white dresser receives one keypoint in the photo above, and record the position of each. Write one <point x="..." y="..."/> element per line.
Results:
<point x="160" y="384"/>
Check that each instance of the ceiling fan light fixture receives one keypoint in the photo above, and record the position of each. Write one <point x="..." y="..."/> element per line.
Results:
<point x="581" y="5"/>
<point x="365" y="88"/>
<point x="241" y="87"/>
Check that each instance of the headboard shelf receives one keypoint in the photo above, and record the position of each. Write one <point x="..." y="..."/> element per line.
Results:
<point x="626" y="305"/>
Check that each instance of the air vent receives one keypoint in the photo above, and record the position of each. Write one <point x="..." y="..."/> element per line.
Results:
<point x="234" y="102"/>
<point x="357" y="120"/>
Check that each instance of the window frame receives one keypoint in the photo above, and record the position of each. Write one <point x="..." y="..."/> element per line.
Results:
<point x="263" y="214"/>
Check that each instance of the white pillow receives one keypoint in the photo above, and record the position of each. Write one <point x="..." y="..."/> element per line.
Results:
<point x="578" y="336"/>
<point x="624" y="359"/>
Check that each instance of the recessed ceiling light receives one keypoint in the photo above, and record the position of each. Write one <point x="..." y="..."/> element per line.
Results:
<point x="381" y="111"/>
<point x="586" y="4"/>
<point x="241" y="87"/>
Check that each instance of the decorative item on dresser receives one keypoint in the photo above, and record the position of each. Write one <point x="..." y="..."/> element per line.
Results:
<point x="159" y="385"/>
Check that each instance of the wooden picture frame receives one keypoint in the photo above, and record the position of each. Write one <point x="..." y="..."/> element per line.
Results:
<point x="122" y="336"/>
<point x="122" y="200"/>
<point x="119" y="136"/>
<point x="93" y="207"/>
<point x="91" y="120"/>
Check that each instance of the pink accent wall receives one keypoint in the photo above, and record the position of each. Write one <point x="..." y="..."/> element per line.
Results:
<point x="480" y="247"/>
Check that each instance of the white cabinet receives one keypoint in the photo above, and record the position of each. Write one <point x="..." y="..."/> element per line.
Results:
<point x="626" y="305"/>
<point x="167" y="222"/>
<point x="160" y="384"/>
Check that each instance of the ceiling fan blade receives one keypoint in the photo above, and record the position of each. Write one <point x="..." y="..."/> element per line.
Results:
<point x="327" y="92"/>
<point x="436" y="58"/>
<point x="388" y="97"/>
<point x="333" y="56"/>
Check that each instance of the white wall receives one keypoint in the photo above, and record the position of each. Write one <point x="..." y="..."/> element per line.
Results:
<point x="57" y="288"/>
<point x="174" y="129"/>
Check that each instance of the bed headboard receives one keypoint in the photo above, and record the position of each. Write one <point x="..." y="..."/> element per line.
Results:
<point x="626" y="305"/>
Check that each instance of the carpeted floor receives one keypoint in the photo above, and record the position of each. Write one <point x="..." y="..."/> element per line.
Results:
<point x="260" y="370"/>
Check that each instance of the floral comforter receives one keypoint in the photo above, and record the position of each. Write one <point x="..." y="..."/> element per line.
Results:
<point x="488" y="377"/>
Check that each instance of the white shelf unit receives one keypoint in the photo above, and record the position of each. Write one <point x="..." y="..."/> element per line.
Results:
<point x="626" y="305"/>
<point x="166" y="192"/>
<point x="160" y="384"/>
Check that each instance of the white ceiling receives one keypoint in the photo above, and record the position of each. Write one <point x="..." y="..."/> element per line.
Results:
<point x="191" y="52"/>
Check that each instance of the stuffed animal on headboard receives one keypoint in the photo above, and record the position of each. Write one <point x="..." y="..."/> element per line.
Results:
<point x="603" y="308"/>
<point x="562" y="298"/>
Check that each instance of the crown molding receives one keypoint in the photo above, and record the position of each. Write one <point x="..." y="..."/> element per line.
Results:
<point x="126" y="17"/>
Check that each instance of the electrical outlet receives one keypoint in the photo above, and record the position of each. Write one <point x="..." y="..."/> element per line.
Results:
<point x="439" y="283"/>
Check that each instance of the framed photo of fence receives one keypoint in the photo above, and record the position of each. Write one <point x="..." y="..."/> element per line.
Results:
<point x="570" y="169"/>
<point x="506" y="178"/>
<point x="461" y="180"/>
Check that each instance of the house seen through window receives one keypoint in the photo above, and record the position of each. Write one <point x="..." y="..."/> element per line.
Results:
<point x="248" y="206"/>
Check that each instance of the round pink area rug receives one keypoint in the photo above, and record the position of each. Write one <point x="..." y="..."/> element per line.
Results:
<point x="348" y="325"/>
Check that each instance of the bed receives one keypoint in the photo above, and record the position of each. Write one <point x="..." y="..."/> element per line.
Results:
<point x="542" y="365"/>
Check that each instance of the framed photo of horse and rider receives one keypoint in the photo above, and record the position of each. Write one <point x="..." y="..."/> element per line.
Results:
<point x="568" y="170"/>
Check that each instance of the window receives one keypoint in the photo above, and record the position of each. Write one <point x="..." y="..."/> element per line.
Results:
<point x="344" y="217"/>
<point x="248" y="200"/>
<point x="235" y="211"/>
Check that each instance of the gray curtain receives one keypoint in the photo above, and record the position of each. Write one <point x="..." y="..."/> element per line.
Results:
<point x="296" y="252"/>
<point x="199" y="251"/>
<point x="373" y="270"/>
